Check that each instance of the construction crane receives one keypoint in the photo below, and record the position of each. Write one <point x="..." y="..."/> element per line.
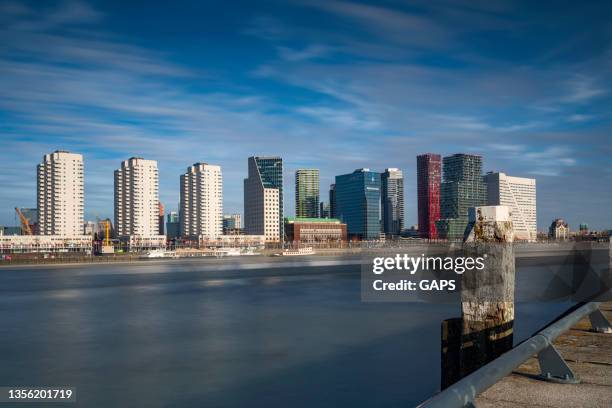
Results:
<point x="107" y="241"/>
<point x="25" y="224"/>
<point x="107" y="245"/>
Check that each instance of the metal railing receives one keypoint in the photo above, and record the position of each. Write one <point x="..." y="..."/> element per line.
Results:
<point x="553" y="368"/>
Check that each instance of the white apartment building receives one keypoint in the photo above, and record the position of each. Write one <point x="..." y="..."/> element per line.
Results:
<point x="519" y="194"/>
<point x="271" y="227"/>
<point x="137" y="200"/>
<point x="201" y="208"/>
<point x="60" y="194"/>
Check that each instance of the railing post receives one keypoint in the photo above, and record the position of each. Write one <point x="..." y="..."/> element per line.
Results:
<point x="553" y="368"/>
<point x="599" y="323"/>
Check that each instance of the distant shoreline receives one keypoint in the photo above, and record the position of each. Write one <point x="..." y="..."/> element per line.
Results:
<point x="528" y="250"/>
<point x="137" y="259"/>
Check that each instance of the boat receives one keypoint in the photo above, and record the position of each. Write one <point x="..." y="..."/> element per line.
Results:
<point x="159" y="253"/>
<point x="298" y="252"/>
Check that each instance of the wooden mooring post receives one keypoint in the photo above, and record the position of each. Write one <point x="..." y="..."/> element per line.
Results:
<point x="487" y="296"/>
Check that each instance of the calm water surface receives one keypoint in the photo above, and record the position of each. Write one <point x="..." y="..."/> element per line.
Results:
<point x="216" y="333"/>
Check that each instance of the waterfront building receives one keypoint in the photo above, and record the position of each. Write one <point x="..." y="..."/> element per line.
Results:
<point x="161" y="219"/>
<point x="137" y="203"/>
<point x="519" y="194"/>
<point x="173" y="225"/>
<point x="332" y="201"/>
<point x="13" y="244"/>
<point x="201" y="208"/>
<point x="412" y="232"/>
<point x="89" y="228"/>
<point x="100" y="232"/>
<point x="357" y="197"/>
<point x="263" y="198"/>
<point x="234" y="241"/>
<point x="559" y="230"/>
<point x="316" y="232"/>
<point x="324" y="210"/>
<point x="429" y="174"/>
<point x="60" y="194"/>
<point x="392" y="196"/>
<point x="463" y="187"/>
<point x="307" y="193"/>
<point x="10" y="230"/>
<point x="232" y="222"/>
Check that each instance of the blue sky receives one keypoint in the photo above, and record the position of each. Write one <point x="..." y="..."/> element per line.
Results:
<point x="326" y="84"/>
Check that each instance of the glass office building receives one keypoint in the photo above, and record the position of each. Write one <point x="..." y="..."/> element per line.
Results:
<point x="357" y="197"/>
<point x="463" y="187"/>
<point x="392" y="195"/>
<point x="332" y="201"/>
<point x="307" y="193"/>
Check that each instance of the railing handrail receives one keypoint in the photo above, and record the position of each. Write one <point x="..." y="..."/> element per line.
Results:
<point x="464" y="391"/>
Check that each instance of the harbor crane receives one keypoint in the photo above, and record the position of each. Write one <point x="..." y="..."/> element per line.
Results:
<point x="25" y="224"/>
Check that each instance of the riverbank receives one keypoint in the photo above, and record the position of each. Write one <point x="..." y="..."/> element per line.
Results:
<point x="79" y="259"/>
<point x="535" y="250"/>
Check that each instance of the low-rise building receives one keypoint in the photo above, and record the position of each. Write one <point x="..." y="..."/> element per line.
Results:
<point x="10" y="230"/>
<point x="559" y="230"/>
<point x="316" y="232"/>
<point x="137" y="243"/>
<point x="231" y="222"/>
<point x="89" y="228"/>
<point x="233" y="241"/>
<point x="10" y="244"/>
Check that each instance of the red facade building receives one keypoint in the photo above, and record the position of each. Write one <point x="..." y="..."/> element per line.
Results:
<point x="315" y="232"/>
<point x="428" y="192"/>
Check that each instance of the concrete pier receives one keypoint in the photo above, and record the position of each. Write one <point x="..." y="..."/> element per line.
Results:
<point x="588" y="354"/>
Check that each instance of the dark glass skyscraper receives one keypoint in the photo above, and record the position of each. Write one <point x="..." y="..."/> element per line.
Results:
<point x="358" y="203"/>
<point x="463" y="187"/>
<point x="392" y="196"/>
<point x="332" y="201"/>
<point x="429" y="173"/>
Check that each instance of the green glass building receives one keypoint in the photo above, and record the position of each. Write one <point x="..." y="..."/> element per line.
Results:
<point x="463" y="187"/>
<point x="307" y="193"/>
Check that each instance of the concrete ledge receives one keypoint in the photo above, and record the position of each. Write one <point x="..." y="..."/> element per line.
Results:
<point x="588" y="354"/>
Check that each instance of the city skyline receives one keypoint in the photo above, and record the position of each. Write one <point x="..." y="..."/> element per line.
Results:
<point x="403" y="81"/>
<point x="484" y="179"/>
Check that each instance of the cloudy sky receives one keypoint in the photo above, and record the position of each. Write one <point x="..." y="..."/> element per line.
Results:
<point x="326" y="84"/>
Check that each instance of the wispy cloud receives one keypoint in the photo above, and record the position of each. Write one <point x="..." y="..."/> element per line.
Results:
<point x="379" y="83"/>
<point x="582" y="88"/>
<point x="550" y="161"/>
<point x="399" y="26"/>
<point x="309" y="52"/>
<point x="578" y="117"/>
